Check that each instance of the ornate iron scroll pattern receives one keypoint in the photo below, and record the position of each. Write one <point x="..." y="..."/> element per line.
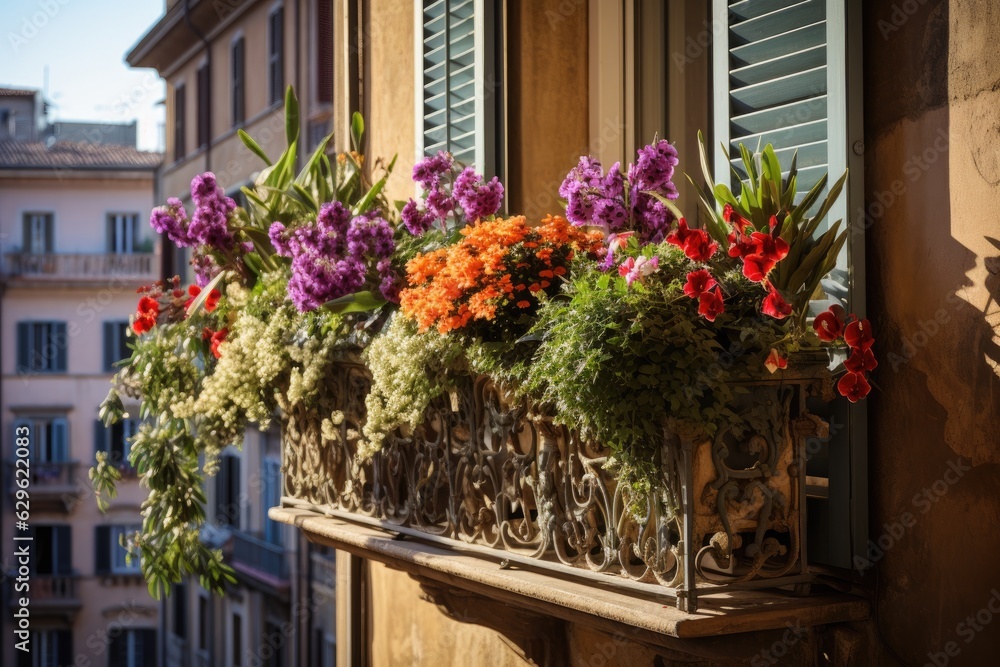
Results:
<point x="482" y="471"/>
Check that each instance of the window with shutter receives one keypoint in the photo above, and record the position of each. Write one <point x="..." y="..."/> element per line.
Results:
<point x="49" y="438"/>
<point x="458" y="85"/>
<point x="271" y="492"/>
<point x="123" y="233"/>
<point x="787" y="72"/>
<point x="115" y="344"/>
<point x="204" y="106"/>
<point x="41" y="347"/>
<point x="120" y="563"/>
<point x="276" y="49"/>
<point x="180" y="122"/>
<point x="239" y="86"/>
<point x="38" y="233"/>
<point x="102" y="549"/>
<point x="227" y="491"/>
<point x="133" y="647"/>
<point x="324" y="51"/>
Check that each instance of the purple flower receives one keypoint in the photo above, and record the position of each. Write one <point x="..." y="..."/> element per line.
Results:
<point x="477" y="198"/>
<point x="440" y="204"/>
<point x="611" y="213"/>
<point x="417" y="220"/>
<point x="205" y="268"/>
<point x="172" y="220"/>
<point x="428" y="171"/>
<point x="209" y="224"/>
<point x="654" y="169"/>
<point x="370" y="236"/>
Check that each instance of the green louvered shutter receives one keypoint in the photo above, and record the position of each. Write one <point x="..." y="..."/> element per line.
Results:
<point x="788" y="72"/>
<point x="457" y="81"/>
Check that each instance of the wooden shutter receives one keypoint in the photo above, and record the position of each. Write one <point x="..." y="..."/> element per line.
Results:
<point x="788" y="72"/>
<point x="102" y="437"/>
<point x="276" y="55"/>
<point x="23" y="347"/>
<point x="180" y="122"/>
<point x="146" y="646"/>
<point x="64" y="642"/>
<point x="457" y="84"/>
<point x="204" y="108"/>
<point x="62" y="545"/>
<point x="239" y="85"/>
<point x="102" y="549"/>
<point x="60" y="439"/>
<point x="324" y="51"/>
<point x="110" y="343"/>
<point x="59" y="341"/>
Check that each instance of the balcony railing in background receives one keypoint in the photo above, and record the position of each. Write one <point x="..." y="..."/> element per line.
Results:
<point x="53" y="588"/>
<point x="260" y="556"/>
<point x="79" y="266"/>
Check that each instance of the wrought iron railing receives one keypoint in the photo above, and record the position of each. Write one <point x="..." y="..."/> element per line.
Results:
<point x="53" y="588"/>
<point x="79" y="266"/>
<point x="728" y="511"/>
<point x="259" y="555"/>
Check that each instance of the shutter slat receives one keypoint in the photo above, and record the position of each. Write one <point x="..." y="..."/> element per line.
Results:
<point x="785" y="137"/>
<point x="795" y="113"/>
<point x="803" y="85"/>
<point x="801" y="38"/>
<point x="780" y="66"/>
<point x="777" y="22"/>
<point x="748" y="9"/>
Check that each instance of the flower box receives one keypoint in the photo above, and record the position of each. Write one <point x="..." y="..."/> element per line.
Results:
<point x="481" y="471"/>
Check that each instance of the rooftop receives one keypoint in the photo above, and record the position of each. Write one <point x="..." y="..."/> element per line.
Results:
<point x="17" y="92"/>
<point x="74" y="155"/>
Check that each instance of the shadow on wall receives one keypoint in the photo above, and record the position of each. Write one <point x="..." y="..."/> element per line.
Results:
<point x="932" y="176"/>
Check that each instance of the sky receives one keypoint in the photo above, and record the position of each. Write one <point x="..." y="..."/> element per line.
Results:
<point x="83" y="44"/>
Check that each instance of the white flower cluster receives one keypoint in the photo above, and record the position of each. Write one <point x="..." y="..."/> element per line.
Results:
<point x="406" y="369"/>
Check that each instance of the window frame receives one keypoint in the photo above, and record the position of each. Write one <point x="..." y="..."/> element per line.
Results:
<point x="44" y="428"/>
<point x="276" y="55"/>
<point x="29" y="339"/>
<point x="45" y="222"/>
<point x="180" y="121"/>
<point x="123" y="232"/>
<point x="237" y="82"/>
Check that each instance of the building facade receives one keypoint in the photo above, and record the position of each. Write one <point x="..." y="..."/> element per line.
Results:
<point x="75" y="245"/>
<point x="901" y="94"/>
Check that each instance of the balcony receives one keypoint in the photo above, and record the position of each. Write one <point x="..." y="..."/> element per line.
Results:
<point x="53" y="486"/>
<point x="260" y="563"/>
<point x="50" y="594"/>
<point x="62" y="267"/>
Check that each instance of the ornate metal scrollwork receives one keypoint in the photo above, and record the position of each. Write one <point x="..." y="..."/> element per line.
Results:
<point x="480" y="470"/>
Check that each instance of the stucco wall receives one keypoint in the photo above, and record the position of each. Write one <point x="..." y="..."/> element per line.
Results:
<point x="932" y="180"/>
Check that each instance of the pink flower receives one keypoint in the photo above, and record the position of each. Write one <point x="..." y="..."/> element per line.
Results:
<point x="775" y="361"/>
<point x="637" y="269"/>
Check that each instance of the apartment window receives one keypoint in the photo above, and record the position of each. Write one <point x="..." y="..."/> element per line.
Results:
<point x="273" y="637"/>
<point x="324" y="52"/>
<point x="180" y="121"/>
<point x="116" y="440"/>
<point x="133" y="648"/>
<point x="271" y="492"/>
<point x="111" y="557"/>
<point x="180" y="610"/>
<point x="239" y="84"/>
<point x="459" y="94"/>
<point x="49" y="437"/>
<point x="204" y="106"/>
<point x="115" y="344"/>
<point x="52" y="548"/>
<point x="227" y="491"/>
<point x="123" y="233"/>
<point x="275" y="57"/>
<point x="204" y="621"/>
<point x="237" y="640"/>
<point x="49" y="648"/>
<point x="41" y="347"/>
<point x="39" y="234"/>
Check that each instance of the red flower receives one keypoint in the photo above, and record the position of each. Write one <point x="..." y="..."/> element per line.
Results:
<point x="775" y="305"/>
<point x="149" y="307"/>
<point x="853" y="386"/>
<point x="769" y="251"/>
<point x="142" y="324"/>
<point x="775" y="361"/>
<point x="177" y="293"/>
<point x="680" y="236"/>
<point x="740" y="245"/>
<point x="698" y="282"/>
<point x="212" y="300"/>
<point x="730" y="215"/>
<point x="699" y="246"/>
<point x="710" y="304"/>
<point x="194" y="291"/>
<point x="829" y="324"/>
<point x="217" y="339"/>
<point x="861" y="361"/>
<point x="859" y="334"/>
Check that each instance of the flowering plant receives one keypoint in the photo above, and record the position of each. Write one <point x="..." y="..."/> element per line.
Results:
<point x="614" y="319"/>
